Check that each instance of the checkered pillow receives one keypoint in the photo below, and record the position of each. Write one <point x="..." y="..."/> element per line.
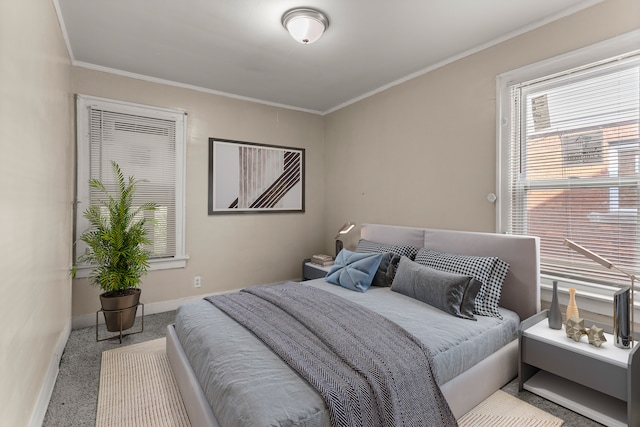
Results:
<point x="400" y="250"/>
<point x="490" y="271"/>
<point x="386" y="270"/>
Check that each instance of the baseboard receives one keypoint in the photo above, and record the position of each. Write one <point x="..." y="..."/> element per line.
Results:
<point x="86" y="320"/>
<point x="39" y="412"/>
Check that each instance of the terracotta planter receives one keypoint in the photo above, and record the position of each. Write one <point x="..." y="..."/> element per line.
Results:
<point x="120" y="311"/>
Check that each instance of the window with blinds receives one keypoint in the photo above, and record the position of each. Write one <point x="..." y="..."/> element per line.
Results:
<point x="147" y="143"/>
<point x="573" y="167"/>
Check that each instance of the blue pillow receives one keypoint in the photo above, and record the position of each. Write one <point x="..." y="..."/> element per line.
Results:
<point x="354" y="270"/>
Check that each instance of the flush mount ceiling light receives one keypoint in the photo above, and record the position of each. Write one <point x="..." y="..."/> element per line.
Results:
<point x="305" y="25"/>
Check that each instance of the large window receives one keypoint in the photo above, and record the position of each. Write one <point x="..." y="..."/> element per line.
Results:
<point x="147" y="143"/>
<point x="570" y="163"/>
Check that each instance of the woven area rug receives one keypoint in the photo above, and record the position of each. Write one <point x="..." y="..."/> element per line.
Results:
<point x="137" y="388"/>
<point x="503" y="410"/>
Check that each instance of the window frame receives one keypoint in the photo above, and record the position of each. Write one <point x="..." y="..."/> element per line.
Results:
<point x="179" y="117"/>
<point x="595" y="298"/>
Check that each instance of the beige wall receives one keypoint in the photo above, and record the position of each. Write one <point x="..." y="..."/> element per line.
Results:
<point x="424" y="153"/>
<point x="227" y="251"/>
<point x="36" y="176"/>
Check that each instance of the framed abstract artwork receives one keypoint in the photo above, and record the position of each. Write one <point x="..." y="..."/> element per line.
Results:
<point x="246" y="177"/>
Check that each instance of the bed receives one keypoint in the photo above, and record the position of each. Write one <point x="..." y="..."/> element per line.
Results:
<point x="465" y="380"/>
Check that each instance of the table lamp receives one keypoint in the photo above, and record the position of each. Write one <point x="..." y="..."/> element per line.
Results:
<point x="343" y="230"/>
<point x="622" y="300"/>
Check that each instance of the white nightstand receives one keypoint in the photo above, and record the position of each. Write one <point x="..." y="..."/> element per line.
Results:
<point x="601" y="383"/>
<point x="313" y="271"/>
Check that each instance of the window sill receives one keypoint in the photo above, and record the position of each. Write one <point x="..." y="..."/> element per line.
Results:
<point x="159" y="264"/>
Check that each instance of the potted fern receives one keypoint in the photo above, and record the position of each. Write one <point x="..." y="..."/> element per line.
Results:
<point x="116" y="240"/>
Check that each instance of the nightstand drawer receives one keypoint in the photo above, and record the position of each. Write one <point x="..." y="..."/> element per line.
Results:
<point x="313" y="271"/>
<point x="580" y="368"/>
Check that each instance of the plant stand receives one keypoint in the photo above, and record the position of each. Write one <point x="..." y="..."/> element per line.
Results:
<point x="120" y="335"/>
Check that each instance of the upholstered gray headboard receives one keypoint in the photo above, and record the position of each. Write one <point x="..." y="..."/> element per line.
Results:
<point x="521" y="290"/>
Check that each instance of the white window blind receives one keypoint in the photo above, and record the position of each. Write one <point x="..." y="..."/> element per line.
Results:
<point x="573" y="167"/>
<point x="147" y="143"/>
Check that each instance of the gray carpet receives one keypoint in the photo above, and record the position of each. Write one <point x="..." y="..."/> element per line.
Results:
<point x="75" y="396"/>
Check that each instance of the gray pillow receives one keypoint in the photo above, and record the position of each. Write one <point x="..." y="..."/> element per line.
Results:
<point x="440" y="289"/>
<point x="468" y="305"/>
<point x="490" y="271"/>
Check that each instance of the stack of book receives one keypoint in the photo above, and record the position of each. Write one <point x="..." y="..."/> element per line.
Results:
<point x="323" y="260"/>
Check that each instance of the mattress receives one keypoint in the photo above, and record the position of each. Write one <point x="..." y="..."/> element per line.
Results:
<point x="247" y="384"/>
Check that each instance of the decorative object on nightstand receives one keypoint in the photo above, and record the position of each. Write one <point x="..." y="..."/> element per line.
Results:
<point x="572" y="308"/>
<point x="574" y="329"/>
<point x="621" y="318"/>
<point x="343" y="230"/>
<point x="622" y="304"/>
<point x="321" y="259"/>
<point x="596" y="336"/>
<point x="555" y="316"/>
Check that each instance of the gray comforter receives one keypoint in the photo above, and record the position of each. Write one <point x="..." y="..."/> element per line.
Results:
<point x="247" y="384"/>
<point x="369" y="371"/>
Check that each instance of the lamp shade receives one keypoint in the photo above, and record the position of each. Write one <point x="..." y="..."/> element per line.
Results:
<point x="346" y="228"/>
<point x="305" y="25"/>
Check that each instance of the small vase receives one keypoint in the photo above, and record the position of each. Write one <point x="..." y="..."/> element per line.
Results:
<point x="555" y="315"/>
<point x="572" y="308"/>
<point x="621" y="318"/>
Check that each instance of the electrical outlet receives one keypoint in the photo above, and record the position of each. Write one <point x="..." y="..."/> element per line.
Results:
<point x="196" y="282"/>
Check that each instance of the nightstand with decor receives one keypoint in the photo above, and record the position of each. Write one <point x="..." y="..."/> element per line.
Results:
<point x="599" y="381"/>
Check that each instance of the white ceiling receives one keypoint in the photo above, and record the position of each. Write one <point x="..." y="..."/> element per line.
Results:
<point x="239" y="47"/>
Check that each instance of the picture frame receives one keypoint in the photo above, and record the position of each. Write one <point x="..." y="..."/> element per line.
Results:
<point x="248" y="177"/>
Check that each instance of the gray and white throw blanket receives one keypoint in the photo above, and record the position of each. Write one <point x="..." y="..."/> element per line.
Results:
<point x="369" y="370"/>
